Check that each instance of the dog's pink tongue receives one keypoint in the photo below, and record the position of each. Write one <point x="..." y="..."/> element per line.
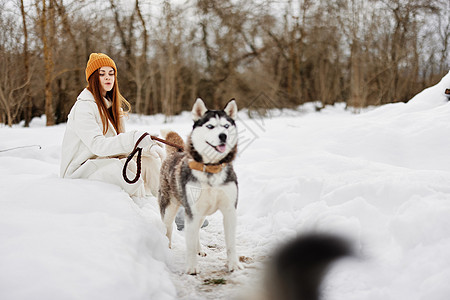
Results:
<point x="222" y="148"/>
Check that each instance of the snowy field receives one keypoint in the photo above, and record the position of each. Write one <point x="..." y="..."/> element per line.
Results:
<point x="380" y="178"/>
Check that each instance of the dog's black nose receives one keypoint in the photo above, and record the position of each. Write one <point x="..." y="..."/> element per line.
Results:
<point x="223" y="137"/>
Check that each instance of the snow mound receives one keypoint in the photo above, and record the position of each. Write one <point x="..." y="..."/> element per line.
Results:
<point x="77" y="239"/>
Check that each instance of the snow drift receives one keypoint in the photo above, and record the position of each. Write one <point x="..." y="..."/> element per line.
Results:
<point x="380" y="178"/>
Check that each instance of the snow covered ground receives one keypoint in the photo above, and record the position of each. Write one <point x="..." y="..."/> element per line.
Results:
<point x="380" y="178"/>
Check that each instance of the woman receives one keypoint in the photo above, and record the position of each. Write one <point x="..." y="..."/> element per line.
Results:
<point x="95" y="143"/>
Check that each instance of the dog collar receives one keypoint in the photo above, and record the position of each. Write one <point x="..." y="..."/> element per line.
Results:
<point x="198" y="166"/>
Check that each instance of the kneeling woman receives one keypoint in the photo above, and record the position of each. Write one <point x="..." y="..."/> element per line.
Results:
<point x="95" y="142"/>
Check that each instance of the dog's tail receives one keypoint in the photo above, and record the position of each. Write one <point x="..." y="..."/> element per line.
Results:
<point x="297" y="268"/>
<point x="172" y="137"/>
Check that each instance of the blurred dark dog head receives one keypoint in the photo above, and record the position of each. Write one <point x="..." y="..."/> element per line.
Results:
<point x="298" y="268"/>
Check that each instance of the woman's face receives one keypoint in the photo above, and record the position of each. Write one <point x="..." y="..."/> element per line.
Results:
<point x="106" y="75"/>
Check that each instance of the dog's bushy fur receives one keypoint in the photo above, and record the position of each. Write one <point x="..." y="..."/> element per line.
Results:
<point x="296" y="269"/>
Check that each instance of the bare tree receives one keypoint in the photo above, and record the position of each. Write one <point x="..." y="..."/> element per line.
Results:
<point x="169" y="66"/>
<point x="404" y="45"/>
<point x="227" y="44"/>
<point x="444" y="35"/>
<point x="125" y="30"/>
<point x="13" y="92"/>
<point x="47" y="35"/>
<point x="141" y="72"/>
<point x="14" y="83"/>
<point x="26" y="60"/>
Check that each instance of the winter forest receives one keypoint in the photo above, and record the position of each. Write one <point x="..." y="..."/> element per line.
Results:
<point x="360" y="52"/>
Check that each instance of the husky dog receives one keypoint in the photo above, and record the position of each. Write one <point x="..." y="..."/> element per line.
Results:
<point x="202" y="179"/>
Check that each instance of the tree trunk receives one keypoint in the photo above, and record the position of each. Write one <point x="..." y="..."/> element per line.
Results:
<point x="26" y="59"/>
<point x="48" y="61"/>
<point x="141" y="63"/>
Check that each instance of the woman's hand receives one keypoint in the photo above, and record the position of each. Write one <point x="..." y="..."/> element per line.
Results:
<point x="145" y="142"/>
<point x="155" y="151"/>
<point x="149" y="146"/>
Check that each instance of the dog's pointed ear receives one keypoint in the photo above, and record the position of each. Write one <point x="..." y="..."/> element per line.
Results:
<point x="199" y="109"/>
<point x="231" y="109"/>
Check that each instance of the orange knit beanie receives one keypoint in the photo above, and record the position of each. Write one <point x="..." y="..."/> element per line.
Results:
<point x="96" y="61"/>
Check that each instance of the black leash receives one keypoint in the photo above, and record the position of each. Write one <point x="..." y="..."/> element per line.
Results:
<point x="138" y="150"/>
<point x="138" y="161"/>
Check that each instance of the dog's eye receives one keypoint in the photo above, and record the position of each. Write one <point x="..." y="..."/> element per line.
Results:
<point x="226" y="126"/>
<point x="209" y="126"/>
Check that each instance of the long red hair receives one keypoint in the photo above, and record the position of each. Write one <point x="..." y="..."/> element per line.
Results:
<point x="120" y="106"/>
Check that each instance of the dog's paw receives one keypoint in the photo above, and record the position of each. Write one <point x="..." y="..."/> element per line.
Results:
<point x="192" y="270"/>
<point x="201" y="253"/>
<point x="235" y="265"/>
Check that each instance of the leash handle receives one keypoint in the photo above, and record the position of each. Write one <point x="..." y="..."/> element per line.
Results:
<point x="139" y="155"/>
<point x="138" y="161"/>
